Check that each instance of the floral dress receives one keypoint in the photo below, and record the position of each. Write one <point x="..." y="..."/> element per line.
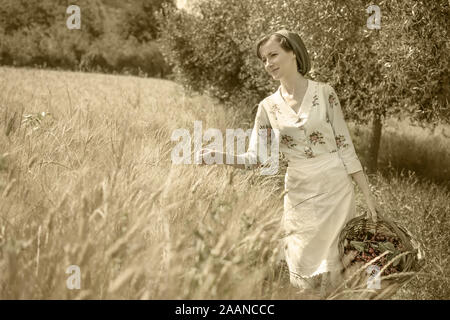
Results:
<point x="319" y="198"/>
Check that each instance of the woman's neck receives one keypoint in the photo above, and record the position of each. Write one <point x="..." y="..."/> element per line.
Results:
<point x="293" y="84"/>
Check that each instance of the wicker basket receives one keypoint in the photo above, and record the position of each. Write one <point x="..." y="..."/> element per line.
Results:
<point x="413" y="261"/>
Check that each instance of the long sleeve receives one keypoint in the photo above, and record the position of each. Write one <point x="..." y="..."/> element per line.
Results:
<point x="342" y="136"/>
<point x="254" y="156"/>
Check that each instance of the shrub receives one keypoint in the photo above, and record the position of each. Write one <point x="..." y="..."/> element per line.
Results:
<point x="35" y="34"/>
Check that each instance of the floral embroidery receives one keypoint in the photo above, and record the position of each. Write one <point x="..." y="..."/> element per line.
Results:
<point x="316" y="137"/>
<point x="269" y="132"/>
<point x="288" y="140"/>
<point x="340" y="142"/>
<point x="265" y="126"/>
<point x="332" y="100"/>
<point x="274" y="109"/>
<point x="309" y="153"/>
<point x="315" y="101"/>
<point x="334" y="150"/>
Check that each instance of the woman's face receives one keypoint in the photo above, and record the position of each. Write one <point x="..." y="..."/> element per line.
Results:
<point x="277" y="62"/>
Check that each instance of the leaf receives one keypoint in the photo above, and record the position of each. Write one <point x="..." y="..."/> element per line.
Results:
<point x="389" y="246"/>
<point x="382" y="247"/>
<point x="358" y="245"/>
<point x="396" y="262"/>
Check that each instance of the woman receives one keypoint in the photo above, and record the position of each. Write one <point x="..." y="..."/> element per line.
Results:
<point x="322" y="162"/>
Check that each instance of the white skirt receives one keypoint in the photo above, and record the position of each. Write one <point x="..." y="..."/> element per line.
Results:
<point x="320" y="200"/>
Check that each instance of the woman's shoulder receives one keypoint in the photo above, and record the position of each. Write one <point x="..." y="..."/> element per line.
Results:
<point x="269" y="101"/>
<point x="323" y="85"/>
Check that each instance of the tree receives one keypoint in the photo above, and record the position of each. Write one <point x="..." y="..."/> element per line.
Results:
<point x="24" y="15"/>
<point x="139" y="19"/>
<point x="34" y="32"/>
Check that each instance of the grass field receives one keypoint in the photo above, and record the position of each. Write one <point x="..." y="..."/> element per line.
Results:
<point x="91" y="184"/>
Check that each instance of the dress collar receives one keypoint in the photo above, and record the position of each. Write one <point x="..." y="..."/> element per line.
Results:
<point x="305" y="106"/>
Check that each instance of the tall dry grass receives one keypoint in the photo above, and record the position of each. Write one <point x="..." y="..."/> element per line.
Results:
<point x="90" y="183"/>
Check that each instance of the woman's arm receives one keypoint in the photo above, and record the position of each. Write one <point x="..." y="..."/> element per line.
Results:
<point x="252" y="158"/>
<point x="346" y="149"/>
<point x="344" y="143"/>
<point x="223" y="155"/>
<point x="361" y="181"/>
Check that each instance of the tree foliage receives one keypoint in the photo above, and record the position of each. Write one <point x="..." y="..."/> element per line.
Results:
<point x="26" y="15"/>
<point x="139" y="19"/>
<point x="34" y="33"/>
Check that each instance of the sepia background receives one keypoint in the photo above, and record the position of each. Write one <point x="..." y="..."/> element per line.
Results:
<point x="86" y="117"/>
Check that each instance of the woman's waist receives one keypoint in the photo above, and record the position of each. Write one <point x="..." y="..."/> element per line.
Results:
<point x="318" y="160"/>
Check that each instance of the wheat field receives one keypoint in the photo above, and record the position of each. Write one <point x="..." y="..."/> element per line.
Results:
<point x="86" y="179"/>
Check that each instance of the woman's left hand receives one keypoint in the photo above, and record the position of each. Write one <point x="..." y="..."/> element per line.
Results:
<point x="374" y="208"/>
